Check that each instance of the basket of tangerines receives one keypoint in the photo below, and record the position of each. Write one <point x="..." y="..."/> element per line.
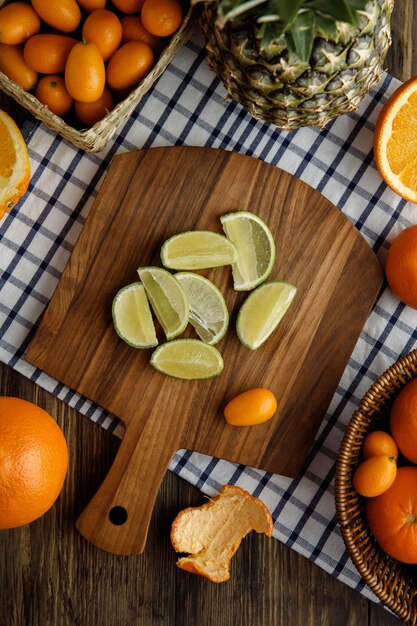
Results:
<point x="376" y="488"/>
<point x="82" y="66"/>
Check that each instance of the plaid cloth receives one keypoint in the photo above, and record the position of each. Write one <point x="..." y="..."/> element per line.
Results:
<point x="187" y="106"/>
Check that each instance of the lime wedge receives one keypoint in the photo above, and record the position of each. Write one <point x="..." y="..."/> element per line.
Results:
<point x="197" y="250"/>
<point x="132" y="317"/>
<point x="255" y="246"/>
<point x="188" y="359"/>
<point x="167" y="299"/>
<point x="262" y="311"/>
<point x="208" y="310"/>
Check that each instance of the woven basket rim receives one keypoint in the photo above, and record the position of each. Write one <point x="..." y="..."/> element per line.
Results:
<point x="385" y="576"/>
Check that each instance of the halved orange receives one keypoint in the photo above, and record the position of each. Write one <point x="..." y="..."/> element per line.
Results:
<point x="14" y="164"/>
<point x="395" y="145"/>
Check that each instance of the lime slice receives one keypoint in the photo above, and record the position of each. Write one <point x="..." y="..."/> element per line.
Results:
<point x="188" y="359"/>
<point x="255" y="246"/>
<point x="132" y="317"/>
<point x="167" y="299"/>
<point x="208" y="310"/>
<point x="197" y="250"/>
<point x="262" y="311"/>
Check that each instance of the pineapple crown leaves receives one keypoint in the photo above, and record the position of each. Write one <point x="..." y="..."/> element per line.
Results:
<point x="297" y="20"/>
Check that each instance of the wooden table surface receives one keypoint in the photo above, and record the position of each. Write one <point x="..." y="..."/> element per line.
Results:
<point x="51" y="576"/>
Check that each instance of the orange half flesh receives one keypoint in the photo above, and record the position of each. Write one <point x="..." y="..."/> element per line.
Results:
<point x="14" y="164"/>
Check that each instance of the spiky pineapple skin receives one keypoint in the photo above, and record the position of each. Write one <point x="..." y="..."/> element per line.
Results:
<point x="290" y="95"/>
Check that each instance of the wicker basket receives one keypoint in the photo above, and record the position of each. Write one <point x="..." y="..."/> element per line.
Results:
<point x="393" y="582"/>
<point x="95" y="138"/>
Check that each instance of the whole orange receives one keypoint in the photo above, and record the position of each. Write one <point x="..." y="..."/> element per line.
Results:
<point x="403" y="420"/>
<point x="128" y="6"/>
<point x="51" y="91"/>
<point x="85" y="74"/>
<point x="251" y="407"/>
<point x="392" y="516"/>
<point x="48" y="53"/>
<point x="134" y="30"/>
<point x="161" y="17"/>
<point x="13" y="64"/>
<point x="18" y="22"/>
<point x="129" y="64"/>
<point x="105" y="30"/>
<point x="91" y="112"/>
<point x="64" y="15"/>
<point x="401" y="266"/>
<point x="33" y="462"/>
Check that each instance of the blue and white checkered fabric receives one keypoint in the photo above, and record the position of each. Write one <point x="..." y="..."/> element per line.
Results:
<point x="187" y="106"/>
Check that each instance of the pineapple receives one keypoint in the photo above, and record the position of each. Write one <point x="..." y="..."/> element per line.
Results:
<point x="297" y="62"/>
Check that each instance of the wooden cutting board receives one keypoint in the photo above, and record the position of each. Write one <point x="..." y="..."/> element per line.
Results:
<point x="146" y="197"/>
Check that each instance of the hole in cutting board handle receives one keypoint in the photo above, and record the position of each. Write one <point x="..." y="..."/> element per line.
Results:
<point x="118" y="515"/>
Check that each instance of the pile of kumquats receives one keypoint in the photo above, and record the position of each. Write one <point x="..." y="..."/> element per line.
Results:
<point x="82" y="55"/>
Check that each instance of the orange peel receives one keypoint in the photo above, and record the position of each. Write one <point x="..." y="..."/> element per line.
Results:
<point x="211" y="534"/>
<point x="14" y="164"/>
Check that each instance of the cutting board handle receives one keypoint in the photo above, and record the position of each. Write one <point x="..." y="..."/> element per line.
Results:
<point x="117" y="518"/>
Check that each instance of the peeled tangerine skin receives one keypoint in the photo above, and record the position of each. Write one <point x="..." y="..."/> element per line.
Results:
<point x="212" y="533"/>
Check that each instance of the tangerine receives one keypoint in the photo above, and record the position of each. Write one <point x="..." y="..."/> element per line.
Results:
<point x="161" y="17"/>
<point x="92" y="112"/>
<point x="392" y="516"/>
<point x="92" y="5"/>
<point x="13" y="64"/>
<point x="251" y="407"/>
<point x="33" y="462"/>
<point x="64" y="15"/>
<point x="48" y="53"/>
<point x="375" y="475"/>
<point x="51" y="91"/>
<point x="129" y="64"/>
<point x="379" y="442"/>
<point x="18" y="22"/>
<point x="401" y="266"/>
<point x="128" y="6"/>
<point x="105" y="30"/>
<point x="85" y="74"/>
<point x="403" y="420"/>
<point x="134" y="30"/>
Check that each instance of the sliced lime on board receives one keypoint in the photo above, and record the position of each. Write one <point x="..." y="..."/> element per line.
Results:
<point x="197" y="250"/>
<point x="187" y="359"/>
<point x="132" y="317"/>
<point x="167" y="299"/>
<point x="255" y="246"/>
<point x="208" y="309"/>
<point x="262" y="311"/>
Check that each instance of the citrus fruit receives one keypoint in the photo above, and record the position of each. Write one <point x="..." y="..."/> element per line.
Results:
<point x="85" y="74"/>
<point x="255" y="246"/>
<point x="128" y="6"/>
<point x="129" y="64"/>
<point x="208" y="311"/>
<point x="13" y="64"/>
<point x="401" y="266"/>
<point x="251" y="407"/>
<point x="134" y="30"/>
<point x="64" y="15"/>
<point x="262" y="311"/>
<point x="92" y="112"/>
<point x="395" y="143"/>
<point x="196" y="250"/>
<point x="33" y="462"/>
<point x="403" y="420"/>
<point x="379" y="442"/>
<point x="188" y="359"/>
<point x="105" y="30"/>
<point x="167" y="298"/>
<point x="48" y="53"/>
<point x="51" y="91"/>
<point x="18" y="22"/>
<point x="92" y="5"/>
<point x="375" y="475"/>
<point x="392" y="516"/>
<point x="161" y="17"/>
<point x="132" y="317"/>
<point x="14" y="164"/>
